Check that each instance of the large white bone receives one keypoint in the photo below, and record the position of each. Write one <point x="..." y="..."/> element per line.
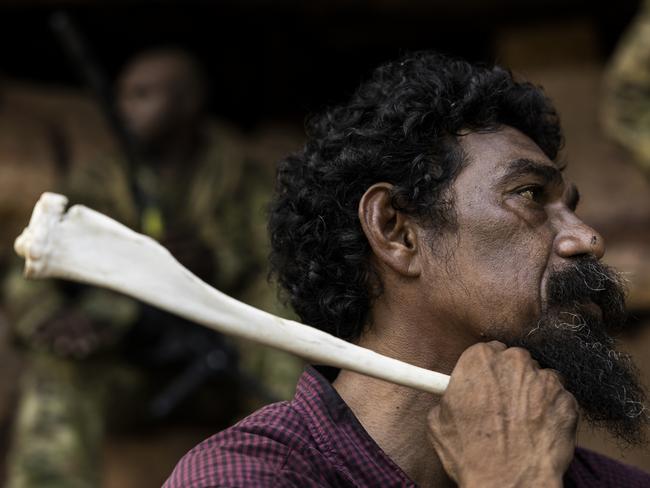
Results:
<point x="86" y="246"/>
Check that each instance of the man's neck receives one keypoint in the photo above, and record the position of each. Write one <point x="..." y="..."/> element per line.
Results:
<point x="178" y="151"/>
<point x="396" y="416"/>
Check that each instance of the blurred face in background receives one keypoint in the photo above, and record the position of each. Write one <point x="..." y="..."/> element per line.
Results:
<point x="159" y="94"/>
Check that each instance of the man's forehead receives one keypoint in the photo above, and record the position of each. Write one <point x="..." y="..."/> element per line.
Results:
<point x="521" y="167"/>
<point x="507" y="151"/>
<point x="156" y="71"/>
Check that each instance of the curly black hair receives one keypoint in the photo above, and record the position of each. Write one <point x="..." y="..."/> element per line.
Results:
<point x="401" y="127"/>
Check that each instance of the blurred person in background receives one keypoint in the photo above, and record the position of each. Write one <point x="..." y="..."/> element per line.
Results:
<point x="626" y="107"/>
<point x="98" y="356"/>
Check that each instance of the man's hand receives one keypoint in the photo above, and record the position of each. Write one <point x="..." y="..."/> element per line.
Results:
<point x="72" y="334"/>
<point x="503" y="421"/>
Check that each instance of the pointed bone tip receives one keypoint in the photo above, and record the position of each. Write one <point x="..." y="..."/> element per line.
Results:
<point x="48" y="209"/>
<point x="53" y="202"/>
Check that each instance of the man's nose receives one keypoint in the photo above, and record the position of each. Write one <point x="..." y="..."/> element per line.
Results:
<point x="576" y="238"/>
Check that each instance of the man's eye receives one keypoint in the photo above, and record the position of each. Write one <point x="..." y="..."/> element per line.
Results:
<point x="531" y="193"/>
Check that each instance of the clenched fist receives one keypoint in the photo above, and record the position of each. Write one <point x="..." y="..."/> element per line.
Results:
<point x="503" y="421"/>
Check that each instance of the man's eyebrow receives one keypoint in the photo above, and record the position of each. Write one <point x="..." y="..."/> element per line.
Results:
<point x="573" y="197"/>
<point x="523" y="167"/>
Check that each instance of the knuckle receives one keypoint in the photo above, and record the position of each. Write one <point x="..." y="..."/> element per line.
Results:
<point x="550" y="374"/>
<point x="518" y="354"/>
<point x="495" y="345"/>
<point x="553" y="377"/>
<point x="479" y="350"/>
<point x="491" y="346"/>
<point x="569" y="401"/>
<point x="566" y="407"/>
<point x="478" y="347"/>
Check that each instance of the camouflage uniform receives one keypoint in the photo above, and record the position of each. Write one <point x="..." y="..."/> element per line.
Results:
<point x="211" y="217"/>
<point x="626" y="105"/>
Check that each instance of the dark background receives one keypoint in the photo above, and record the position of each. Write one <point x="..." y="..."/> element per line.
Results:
<point x="280" y="59"/>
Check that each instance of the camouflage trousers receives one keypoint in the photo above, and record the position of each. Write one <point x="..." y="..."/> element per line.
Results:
<point x="64" y="409"/>
<point x="59" y="427"/>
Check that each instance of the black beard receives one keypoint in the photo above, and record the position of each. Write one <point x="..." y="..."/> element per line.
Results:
<point x="573" y="340"/>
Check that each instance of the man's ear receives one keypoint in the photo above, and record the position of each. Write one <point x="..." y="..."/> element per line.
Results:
<point x="391" y="233"/>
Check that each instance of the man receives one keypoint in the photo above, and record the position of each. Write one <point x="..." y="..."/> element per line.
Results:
<point x="88" y="346"/>
<point x="428" y="219"/>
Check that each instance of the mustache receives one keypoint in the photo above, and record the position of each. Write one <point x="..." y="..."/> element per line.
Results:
<point x="587" y="280"/>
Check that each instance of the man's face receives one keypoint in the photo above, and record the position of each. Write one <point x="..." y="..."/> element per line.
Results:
<point x="156" y="95"/>
<point x="515" y="224"/>
<point x="522" y="268"/>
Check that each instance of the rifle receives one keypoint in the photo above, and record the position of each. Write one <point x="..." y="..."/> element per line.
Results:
<point x="77" y="50"/>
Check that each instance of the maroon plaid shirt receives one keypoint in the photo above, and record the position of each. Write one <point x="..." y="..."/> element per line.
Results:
<point x="316" y="441"/>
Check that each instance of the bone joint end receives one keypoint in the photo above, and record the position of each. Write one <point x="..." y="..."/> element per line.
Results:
<point x="35" y="241"/>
